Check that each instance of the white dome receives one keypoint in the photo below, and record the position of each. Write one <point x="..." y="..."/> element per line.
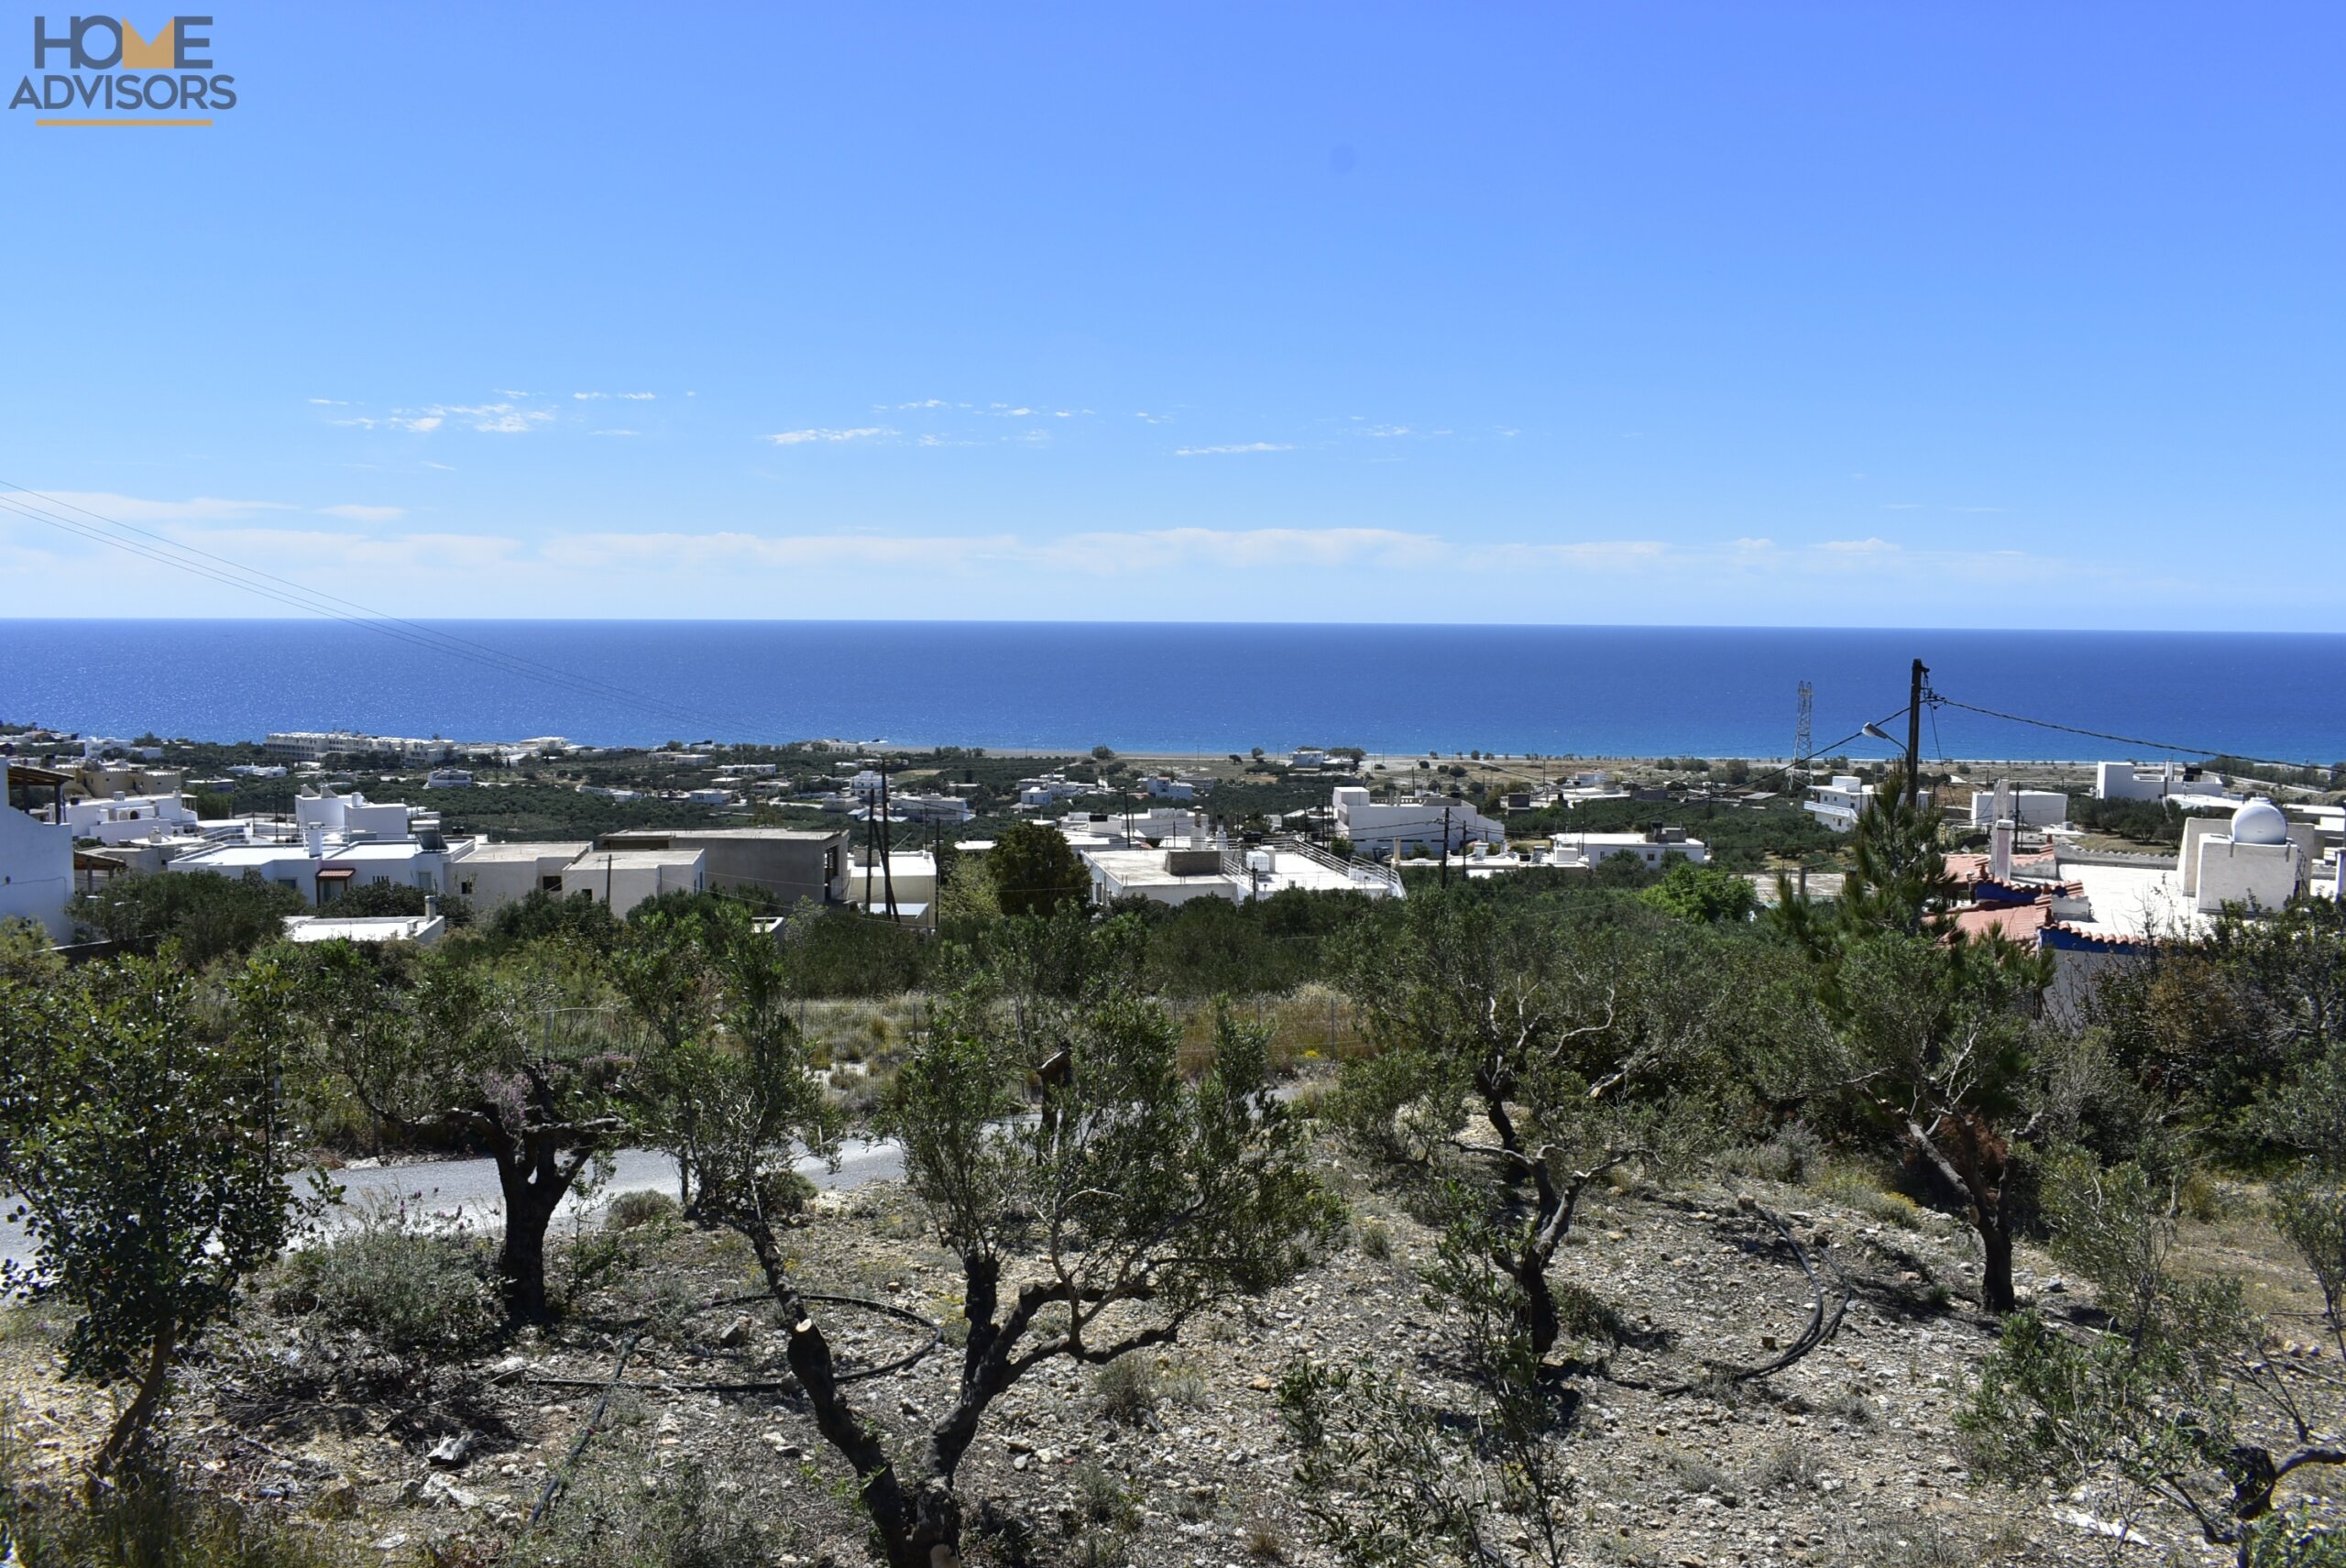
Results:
<point x="2260" y="822"/>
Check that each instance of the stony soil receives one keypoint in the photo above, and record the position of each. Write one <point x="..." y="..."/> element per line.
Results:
<point x="1849" y="1457"/>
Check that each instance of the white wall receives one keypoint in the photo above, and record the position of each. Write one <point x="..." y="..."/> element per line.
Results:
<point x="1370" y="824"/>
<point x="2263" y="875"/>
<point x="2028" y="807"/>
<point x="35" y="870"/>
<point x="491" y="884"/>
<point x="2125" y="781"/>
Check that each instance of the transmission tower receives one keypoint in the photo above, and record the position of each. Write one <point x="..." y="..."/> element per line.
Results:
<point x="1803" y="735"/>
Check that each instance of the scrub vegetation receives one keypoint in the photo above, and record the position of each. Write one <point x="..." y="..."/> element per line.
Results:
<point x="1592" y="1220"/>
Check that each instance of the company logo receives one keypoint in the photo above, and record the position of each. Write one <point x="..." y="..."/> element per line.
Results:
<point x="165" y="78"/>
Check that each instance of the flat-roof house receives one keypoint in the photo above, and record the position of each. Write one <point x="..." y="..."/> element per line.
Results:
<point x="791" y="864"/>
<point x="492" y="875"/>
<point x="1583" y="851"/>
<point x="1840" y="801"/>
<point x="36" y="854"/>
<point x="1394" y="827"/>
<point x="2023" y="807"/>
<point x="421" y="929"/>
<point x="625" y="878"/>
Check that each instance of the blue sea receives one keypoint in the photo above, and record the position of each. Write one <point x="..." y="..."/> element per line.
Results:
<point x="1557" y="690"/>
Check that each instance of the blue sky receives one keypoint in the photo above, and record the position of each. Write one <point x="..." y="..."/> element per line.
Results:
<point x="1786" y="313"/>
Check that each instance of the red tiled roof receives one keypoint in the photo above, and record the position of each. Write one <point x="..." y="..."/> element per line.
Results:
<point x="2014" y="922"/>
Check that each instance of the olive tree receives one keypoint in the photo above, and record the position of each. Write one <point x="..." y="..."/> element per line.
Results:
<point x="1100" y="1227"/>
<point x="722" y="1075"/>
<point x="137" y="1136"/>
<point x="1390" y="1478"/>
<point x="1569" y="1043"/>
<point x="517" y="1058"/>
<point x="1932" y="1040"/>
<point x="2177" y="1396"/>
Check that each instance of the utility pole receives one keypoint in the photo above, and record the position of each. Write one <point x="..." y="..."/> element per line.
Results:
<point x="887" y="872"/>
<point x="1914" y="732"/>
<point x="1803" y="735"/>
<point x="1446" y="845"/>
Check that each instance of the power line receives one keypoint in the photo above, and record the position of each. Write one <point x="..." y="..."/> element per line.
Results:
<point x="1938" y="699"/>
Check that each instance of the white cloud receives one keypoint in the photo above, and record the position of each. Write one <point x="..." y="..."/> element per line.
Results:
<point x="493" y="419"/>
<point x="1164" y="549"/>
<point x="802" y="437"/>
<point x="639" y="396"/>
<point x="926" y="403"/>
<point x="330" y="402"/>
<point x="619" y="433"/>
<point x="1858" y="546"/>
<point x="682" y="552"/>
<point x="353" y="513"/>
<point x="1219" y="451"/>
<point x="588" y="397"/>
<point x="324" y="551"/>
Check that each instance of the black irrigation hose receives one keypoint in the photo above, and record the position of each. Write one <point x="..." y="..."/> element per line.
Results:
<point x="614" y="1383"/>
<point x="1819" y="1329"/>
<point x="936" y="1337"/>
<point x="594" y="1424"/>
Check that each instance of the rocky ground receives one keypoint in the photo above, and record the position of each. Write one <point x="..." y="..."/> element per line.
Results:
<point x="1848" y="1457"/>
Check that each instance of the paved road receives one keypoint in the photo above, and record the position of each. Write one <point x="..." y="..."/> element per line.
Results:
<point x="467" y="1188"/>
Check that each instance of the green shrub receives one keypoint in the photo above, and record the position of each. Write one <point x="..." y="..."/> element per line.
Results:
<point x="617" y="1514"/>
<point x="1126" y="1389"/>
<point x="1853" y="1189"/>
<point x="399" y="1277"/>
<point x="154" y="1519"/>
<point x="646" y="1206"/>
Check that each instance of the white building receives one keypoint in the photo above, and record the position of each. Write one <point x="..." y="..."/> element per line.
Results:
<point x="355" y="816"/>
<point x="492" y="875"/>
<point x="128" y="818"/>
<point x="1174" y="875"/>
<point x="421" y="929"/>
<point x="337" y="842"/>
<point x="947" y="808"/>
<point x="1392" y="827"/>
<point x="1839" y="803"/>
<point x="448" y="778"/>
<point x="2188" y="786"/>
<point x="1163" y="786"/>
<point x="1178" y="871"/>
<point x="1308" y="757"/>
<point x="910" y="874"/>
<point x="2023" y="807"/>
<point x="1584" y="851"/>
<point x="2259" y="860"/>
<point x="36" y="855"/>
<point x="625" y="878"/>
<point x="1043" y="793"/>
<point x="317" y="745"/>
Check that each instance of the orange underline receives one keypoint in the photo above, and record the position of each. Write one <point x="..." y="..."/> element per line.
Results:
<point x="122" y="122"/>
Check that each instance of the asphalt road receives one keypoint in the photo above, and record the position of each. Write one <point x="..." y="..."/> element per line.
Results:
<point x="466" y="1189"/>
